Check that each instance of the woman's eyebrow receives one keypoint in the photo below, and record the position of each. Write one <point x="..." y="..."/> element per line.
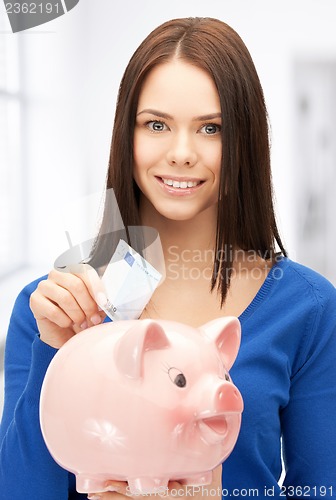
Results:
<point x="161" y="114"/>
<point x="155" y="112"/>
<point x="210" y="116"/>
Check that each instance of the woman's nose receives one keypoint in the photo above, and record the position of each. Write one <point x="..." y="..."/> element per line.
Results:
<point x="181" y="151"/>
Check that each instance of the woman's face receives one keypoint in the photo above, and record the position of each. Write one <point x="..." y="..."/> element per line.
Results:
<point x="177" y="140"/>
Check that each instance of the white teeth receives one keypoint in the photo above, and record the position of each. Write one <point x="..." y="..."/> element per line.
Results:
<point x="182" y="184"/>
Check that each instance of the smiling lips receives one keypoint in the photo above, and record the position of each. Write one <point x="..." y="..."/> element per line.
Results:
<point x="183" y="184"/>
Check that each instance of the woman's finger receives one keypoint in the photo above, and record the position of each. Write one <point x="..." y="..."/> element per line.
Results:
<point x="90" y="277"/>
<point x="44" y="309"/>
<point x="57" y="303"/>
<point x="63" y="304"/>
<point x="114" y="490"/>
<point x="81" y="301"/>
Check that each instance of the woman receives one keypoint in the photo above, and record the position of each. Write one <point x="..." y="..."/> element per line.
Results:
<point x="191" y="131"/>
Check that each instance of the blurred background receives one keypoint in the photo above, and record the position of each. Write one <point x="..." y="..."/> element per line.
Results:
<point x="58" y="88"/>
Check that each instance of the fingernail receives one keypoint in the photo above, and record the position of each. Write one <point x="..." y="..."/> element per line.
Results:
<point x="94" y="497"/>
<point x="84" y="325"/>
<point x="95" y="319"/>
<point x="110" y="486"/>
<point x="113" y="488"/>
<point x="101" y="299"/>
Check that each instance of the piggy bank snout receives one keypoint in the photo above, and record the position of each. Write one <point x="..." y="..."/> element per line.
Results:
<point x="228" y="399"/>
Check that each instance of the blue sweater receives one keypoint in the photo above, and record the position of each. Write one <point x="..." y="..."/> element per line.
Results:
<point x="285" y="370"/>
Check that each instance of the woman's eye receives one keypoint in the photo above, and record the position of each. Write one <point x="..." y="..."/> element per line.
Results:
<point x="156" y="126"/>
<point x="211" y="128"/>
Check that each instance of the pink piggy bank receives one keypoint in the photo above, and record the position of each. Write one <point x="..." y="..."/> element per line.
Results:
<point x="143" y="401"/>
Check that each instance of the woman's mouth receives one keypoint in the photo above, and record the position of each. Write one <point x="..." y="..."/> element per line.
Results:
<point x="179" y="186"/>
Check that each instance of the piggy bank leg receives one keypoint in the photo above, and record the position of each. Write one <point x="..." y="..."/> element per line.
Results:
<point x="88" y="484"/>
<point x="197" y="479"/>
<point x="147" y="485"/>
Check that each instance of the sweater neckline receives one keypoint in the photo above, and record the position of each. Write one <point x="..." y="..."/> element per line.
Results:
<point x="273" y="276"/>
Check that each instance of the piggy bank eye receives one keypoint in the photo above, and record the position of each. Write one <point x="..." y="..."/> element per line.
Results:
<point x="227" y="377"/>
<point x="180" y="380"/>
<point x="177" y="377"/>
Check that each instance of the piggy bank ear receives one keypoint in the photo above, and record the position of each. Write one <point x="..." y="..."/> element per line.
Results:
<point x="144" y="336"/>
<point x="225" y="332"/>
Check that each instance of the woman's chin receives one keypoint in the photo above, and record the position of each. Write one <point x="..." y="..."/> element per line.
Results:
<point x="177" y="215"/>
<point x="177" y="210"/>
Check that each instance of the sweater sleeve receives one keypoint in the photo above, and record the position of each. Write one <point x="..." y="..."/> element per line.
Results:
<point x="308" y="421"/>
<point x="27" y="470"/>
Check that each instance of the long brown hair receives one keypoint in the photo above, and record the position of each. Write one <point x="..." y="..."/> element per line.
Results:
<point x="246" y="216"/>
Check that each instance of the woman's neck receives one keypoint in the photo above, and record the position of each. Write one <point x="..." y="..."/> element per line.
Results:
<point x="196" y="235"/>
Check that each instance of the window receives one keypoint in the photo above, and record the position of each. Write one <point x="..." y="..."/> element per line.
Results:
<point x="12" y="221"/>
<point x="315" y="162"/>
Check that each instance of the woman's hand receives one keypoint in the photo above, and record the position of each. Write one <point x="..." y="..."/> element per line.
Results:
<point x="175" y="490"/>
<point x="121" y="492"/>
<point x="64" y="304"/>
